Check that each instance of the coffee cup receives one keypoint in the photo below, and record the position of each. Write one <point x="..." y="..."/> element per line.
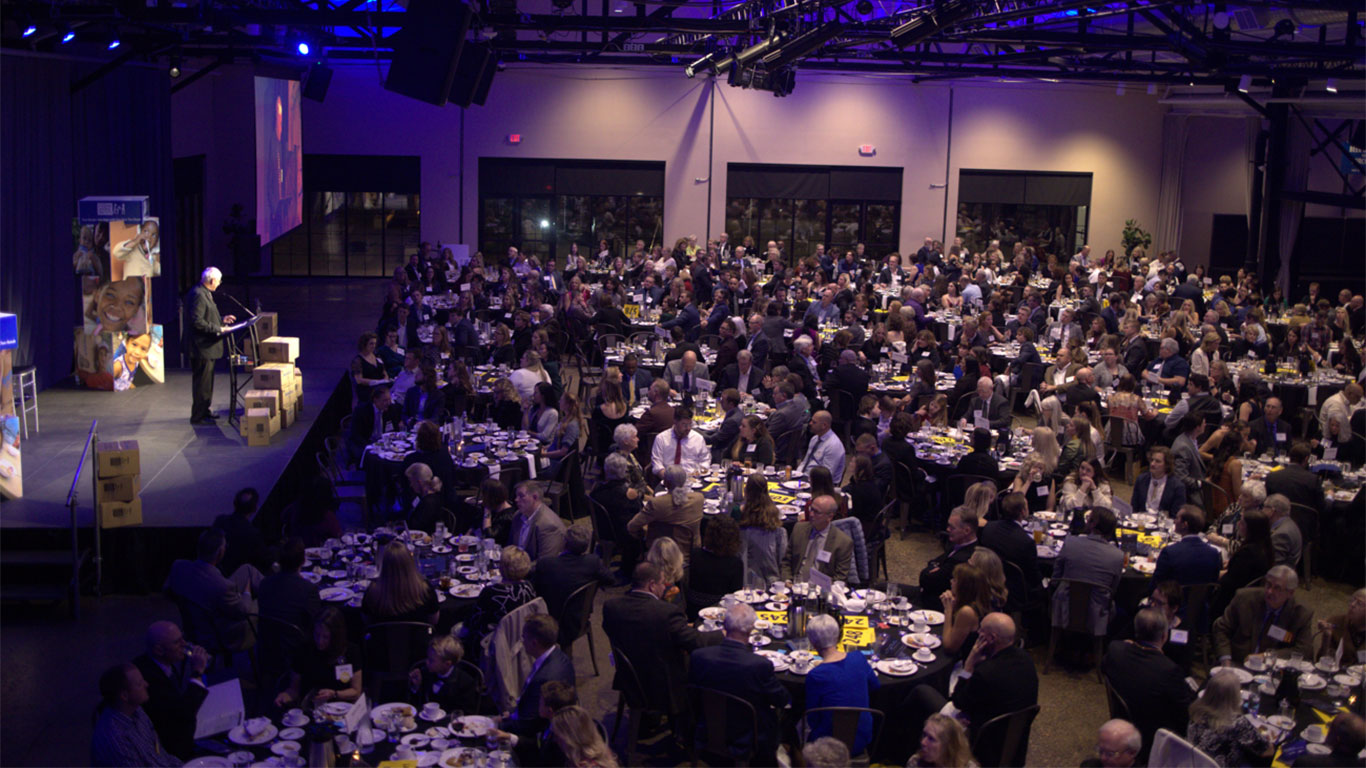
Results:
<point x="920" y="627"/>
<point x="431" y="709"/>
<point x="295" y="716"/>
<point x="289" y="749"/>
<point x="404" y="752"/>
<point x="801" y="662"/>
<point x="1316" y="733"/>
<point x="923" y="654"/>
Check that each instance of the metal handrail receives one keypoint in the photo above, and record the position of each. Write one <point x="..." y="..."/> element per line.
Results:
<point x="71" y="499"/>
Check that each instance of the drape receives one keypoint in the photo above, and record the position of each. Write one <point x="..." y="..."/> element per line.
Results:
<point x="1167" y="232"/>
<point x="110" y="138"/>
<point x="1292" y="211"/>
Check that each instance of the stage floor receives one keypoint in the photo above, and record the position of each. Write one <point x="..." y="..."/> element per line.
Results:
<point x="190" y="473"/>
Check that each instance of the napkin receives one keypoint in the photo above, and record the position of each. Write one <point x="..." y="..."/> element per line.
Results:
<point x="256" y="726"/>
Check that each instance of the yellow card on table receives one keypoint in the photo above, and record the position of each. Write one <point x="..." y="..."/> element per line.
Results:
<point x="631" y="310"/>
<point x="780" y="498"/>
<point x="857" y="637"/>
<point x="855" y="621"/>
<point x="775" y="617"/>
<point x="398" y="764"/>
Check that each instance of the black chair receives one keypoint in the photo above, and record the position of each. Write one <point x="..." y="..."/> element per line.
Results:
<point x="198" y="624"/>
<point x="1119" y="709"/>
<point x="277" y="641"/>
<point x="567" y="484"/>
<point x="634" y="703"/>
<point x="844" y="727"/>
<point x="1004" y="740"/>
<point x="605" y="534"/>
<point x="576" y="619"/>
<point x="391" y="648"/>
<point x="1114" y="428"/>
<point x="1307" y="520"/>
<point x="956" y="488"/>
<point x="1195" y="600"/>
<point x="844" y="410"/>
<point x="1078" y="620"/>
<point x="909" y="484"/>
<point x="1028" y="380"/>
<point x="716" y="712"/>
<point x="876" y="538"/>
<point x="1017" y="588"/>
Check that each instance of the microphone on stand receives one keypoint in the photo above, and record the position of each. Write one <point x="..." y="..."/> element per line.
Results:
<point x="238" y="303"/>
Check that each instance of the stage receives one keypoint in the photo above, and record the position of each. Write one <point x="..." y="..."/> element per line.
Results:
<point x="190" y="472"/>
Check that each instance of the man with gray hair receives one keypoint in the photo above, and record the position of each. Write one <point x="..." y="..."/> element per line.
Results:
<point x="826" y="752"/>
<point x="1264" y="619"/>
<point x="1287" y="542"/>
<point x="1118" y="743"/>
<point x="205" y="342"/>
<point x="557" y="577"/>
<point x="1151" y="684"/>
<point x="734" y="668"/>
<point x="1169" y="370"/>
<point x="819" y="545"/>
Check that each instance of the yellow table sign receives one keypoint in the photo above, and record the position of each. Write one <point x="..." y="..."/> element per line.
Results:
<point x="774" y="617"/>
<point x="857" y="637"/>
<point x="398" y="764"/>
<point x="631" y="310"/>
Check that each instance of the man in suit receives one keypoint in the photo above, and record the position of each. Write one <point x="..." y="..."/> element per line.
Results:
<point x="758" y="343"/>
<point x="986" y="408"/>
<point x="742" y="375"/>
<point x="1000" y="678"/>
<point x="1169" y="370"/>
<point x="289" y="597"/>
<point x="1151" y="684"/>
<point x="979" y="460"/>
<point x="729" y="351"/>
<point x="935" y="576"/>
<point x="734" y="668"/>
<point x="1134" y="350"/>
<point x="825" y="448"/>
<point x="818" y="545"/>
<point x="684" y="373"/>
<point x="1294" y="480"/>
<point x="895" y="445"/>
<point x="848" y="376"/>
<point x="1156" y="491"/>
<point x="883" y="472"/>
<point x="1270" y="434"/>
<point x="550" y="664"/>
<point x="535" y="529"/>
<point x="1188" y="467"/>
<point x="556" y="578"/>
<point x="1024" y="336"/>
<point x="1191" y="289"/>
<point x="245" y="543"/>
<point x="1188" y="560"/>
<point x="227" y="600"/>
<point x="1090" y="557"/>
<point x="1287" y="540"/>
<point x="175" y="686"/>
<point x="1198" y="402"/>
<point x="440" y="679"/>
<point x="1262" y="619"/>
<point x="725" y="435"/>
<point x="787" y="415"/>
<point x="635" y="383"/>
<point x="655" y="636"/>
<point x="1063" y="330"/>
<point x="369" y="420"/>
<point x="657" y="419"/>
<point x="1013" y="544"/>
<point x="205" y="343"/>
<point x="689" y="319"/>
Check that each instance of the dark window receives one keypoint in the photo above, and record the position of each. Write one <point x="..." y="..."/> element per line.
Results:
<point x="1048" y="211"/>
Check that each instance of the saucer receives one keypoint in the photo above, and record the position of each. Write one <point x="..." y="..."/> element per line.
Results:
<point x="439" y="716"/>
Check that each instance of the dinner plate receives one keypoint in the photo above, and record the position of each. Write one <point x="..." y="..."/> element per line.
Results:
<point x="461" y="757"/>
<point x="777" y="659"/>
<point x="815" y="662"/>
<point x="238" y="735"/>
<point x="401" y="707"/>
<point x="775" y="606"/>
<point x="1349" y="680"/>
<point x="1312" y="682"/>
<point x="441" y="549"/>
<point x="286" y="748"/>
<point x="1318" y="734"/>
<point x="466" y="590"/>
<point x="1313" y="749"/>
<point x="293" y="734"/>
<point x="921" y="640"/>
<point x="209" y="761"/>
<point x="751" y="596"/>
<point x="932" y="618"/>
<point x="790" y="510"/>
<point x="712" y="613"/>
<point x="791" y="485"/>
<point x="335" y="594"/>
<point x="416" y="740"/>
<point x="471" y="726"/>
<point x="1281" y="721"/>
<point x="1143" y="566"/>
<point x="897" y="667"/>
<point x="336" y="708"/>
<point x="759" y="640"/>
<point x="1244" y="676"/>
<point x="871" y="595"/>
<point x="311" y="577"/>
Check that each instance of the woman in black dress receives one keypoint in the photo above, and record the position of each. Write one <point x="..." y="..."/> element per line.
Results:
<point x="327" y="669"/>
<point x="366" y="368"/>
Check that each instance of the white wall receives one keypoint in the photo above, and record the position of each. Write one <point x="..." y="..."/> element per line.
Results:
<point x="660" y="115"/>
<point x="1214" y="180"/>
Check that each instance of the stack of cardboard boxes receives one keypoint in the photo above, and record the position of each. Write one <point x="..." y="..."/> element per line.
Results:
<point x="276" y="397"/>
<point x="118" y="483"/>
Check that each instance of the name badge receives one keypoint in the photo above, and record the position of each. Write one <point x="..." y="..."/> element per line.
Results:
<point x="464" y="286"/>
<point x="751" y="447"/>
<point x="1178" y="637"/>
<point x="1041" y="491"/>
<point x="1330" y="452"/>
<point x="1278" y="634"/>
<point x="398" y="350"/>
<point x="1281" y="437"/>
<point x="1226" y="529"/>
<point x="416" y="502"/>
<point x="823" y="556"/>
<point x="344" y="673"/>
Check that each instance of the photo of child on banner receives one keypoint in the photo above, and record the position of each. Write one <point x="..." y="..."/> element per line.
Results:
<point x="92" y="250"/>
<point x="118" y="307"/>
<point x="95" y="359"/>
<point x="139" y="360"/>
<point x="138" y="249"/>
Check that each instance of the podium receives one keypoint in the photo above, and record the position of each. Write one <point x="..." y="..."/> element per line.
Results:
<point x="239" y="361"/>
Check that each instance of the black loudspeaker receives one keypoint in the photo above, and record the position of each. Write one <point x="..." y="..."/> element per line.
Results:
<point x="427" y="50"/>
<point x="315" y="84"/>
<point x="469" y="73"/>
<point x="481" y="91"/>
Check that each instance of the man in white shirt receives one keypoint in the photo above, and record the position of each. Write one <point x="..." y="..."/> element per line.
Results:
<point x="825" y="448"/>
<point x="972" y="292"/>
<point x="407" y="377"/>
<point x="1336" y="415"/>
<point x="680" y="445"/>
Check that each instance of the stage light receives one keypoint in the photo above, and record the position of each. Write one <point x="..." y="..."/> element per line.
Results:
<point x="30" y="30"/>
<point x="113" y="44"/>
<point x="1245" y="83"/>
<point x="68" y="37"/>
<point x="864" y="7"/>
<point x="545" y="223"/>
<point x="303" y="48"/>
<point x="1332" y="86"/>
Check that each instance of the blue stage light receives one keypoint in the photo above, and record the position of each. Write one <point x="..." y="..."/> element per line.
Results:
<point x="303" y="48"/>
<point x="30" y="30"/>
<point x="68" y="37"/>
<point x="113" y="44"/>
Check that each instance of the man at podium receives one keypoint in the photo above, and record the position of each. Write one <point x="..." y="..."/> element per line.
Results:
<point x="205" y="342"/>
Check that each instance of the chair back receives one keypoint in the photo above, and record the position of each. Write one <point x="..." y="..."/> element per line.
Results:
<point x="853" y="527"/>
<point x="576" y="616"/>
<point x="1195" y="601"/>
<point x="844" y="722"/>
<point x="198" y="625"/>
<point x="904" y="480"/>
<point x="604" y="530"/>
<point x="1079" y="604"/>
<point x="957" y="487"/>
<point x="719" y="717"/>
<point x="505" y="661"/>
<point x="391" y="648"/>
<point x="1172" y="751"/>
<point x="844" y="411"/>
<point x="1307" y="520"/>
<point x="1017" y="588"/>
<point x="1030" y="376"/>
<point x="1115" y="428"/>
<point x="629" y="680"/>
<point x="276" y="642"/>
<point x="1211" y="493"/>
<point x="710" y="341"/>
<point x="1119" y="709"/>
<point x="1004" y="740"/>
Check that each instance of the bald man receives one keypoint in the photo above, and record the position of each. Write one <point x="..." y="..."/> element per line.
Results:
<point x="1118" y="743"/>
<point x="986" y="409"/>
<point x="825" y="448"/>
<point x="685" y="373"/>
<point x="175" y="686"/>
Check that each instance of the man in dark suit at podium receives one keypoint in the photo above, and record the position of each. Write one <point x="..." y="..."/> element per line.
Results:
<point x="205" y="342"/>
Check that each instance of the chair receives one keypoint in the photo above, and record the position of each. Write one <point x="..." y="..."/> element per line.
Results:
<point x="909" y="483"/>
<point x="876" y="537"/>
<point x="566" y="484"/>
<point x="1030" y="376"/>
<point x="335" y="449"/>
<point x="1004" y="740"/>
<point x="1195" y="601"/>
<point x="844" y="727"/>
<point x="1078" y="619"/>
<point x="590" y="376"/>
<point x="956" y="488"/>
<point x="1172" y="751"/>
<point x="844" y="410"/>
<point x="1211" y="493"/>
<point x="604" y="530"/>
<point x="25" y="381"/>
<point x="277" y="641"/>
<point x="716" y="712"/>
<point x="1307" y="519"/>
<point x="709" y="341"/>
<point x="579" y="607"/>
<point x="853" y="528"/>
<point x="633" y="702"/>
<point x="609" y="340"/>
<point x="646" y="339"/>
<point x="1119" y="709"/>
<point x="391" y="648"/>
<point x="1114" y="428"/>
<point x="1016" y="585"/>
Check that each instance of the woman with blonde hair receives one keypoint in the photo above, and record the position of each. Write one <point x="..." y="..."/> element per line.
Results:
<point x="665" y="555"/>
<point x="580" y="740"/>
<point x="979" y="498"/>
<point x="943" y="744"/>
<point x="1045" y="442"/>
<point x="1219" y="728"/>
<point x="993" y="572"/>
<point x="935" y="413"/>
<point x="399" y="593"/>
<point x="1033" y="476"/>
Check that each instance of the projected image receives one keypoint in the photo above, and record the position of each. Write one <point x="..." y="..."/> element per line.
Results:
<point x="137" y="252"/>
<point x="279" y="158"/>
<point x="91" y="257"/>
<point x="120" y="306"/>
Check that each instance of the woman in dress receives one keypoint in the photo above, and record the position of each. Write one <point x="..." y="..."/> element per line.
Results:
<point x="993" y="571"/>
<point x="823" y="484"/>
<point x="943" y="744"/>
<point x="1219" y="728"/>
<point x="865" y="493"/>
<point x="965" y="602"/>
<point x="327" y="669"/>
<point x="566" y="434"/>
<point x="840" y="680"/>
<point x="366" y="369"/>
<point x="541" y="418"/>
<point x="761" y="529"/>
<point x="1226" y="472"/>
<point x="754" y="445"/>
<point x="1252" y="557"/>
<point x="610" y="412"/>
<point x="716" y="567"/>
<point x="1126" y="404"/>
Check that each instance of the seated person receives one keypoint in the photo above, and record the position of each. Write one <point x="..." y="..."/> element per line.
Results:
<point x="551" y="664"/>
<point x="174" y="672"/>
<point x="1264" y="619"/>
<point x="500" y="598"/>
<point x="327" y="669"/>
<point x="124" y="736"/>
<point x="227" y="600"/>
<point x="441" y="680"/>
<point x="979" y="461"/>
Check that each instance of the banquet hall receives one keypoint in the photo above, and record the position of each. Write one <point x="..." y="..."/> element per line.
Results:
<point x="531" y="382"/>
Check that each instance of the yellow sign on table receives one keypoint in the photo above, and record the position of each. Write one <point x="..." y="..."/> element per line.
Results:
<point x="631" y="310"/>
<point x="856" y="637"/>
<point x="773" y="617"/>
<point x="782" y="498"/>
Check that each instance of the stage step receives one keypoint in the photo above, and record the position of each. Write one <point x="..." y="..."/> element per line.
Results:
<point x="37" y="557"/>
<point x="40" y="575"/>
<point x="35" y="593"/>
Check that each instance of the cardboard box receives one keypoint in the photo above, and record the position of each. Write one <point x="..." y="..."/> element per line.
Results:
<point x="280" y="349"/>
<point x="299" y="386"/>
<point x="262" y="398"/>
<point x="273" y="376"/>
<point x="260" y="426"/>
<point x="286" y="417"/>
<point x="268" y="325"/>
<point x="118" y="458"/>
<point x="118" y="488"/>
<point x="117" y="514"/>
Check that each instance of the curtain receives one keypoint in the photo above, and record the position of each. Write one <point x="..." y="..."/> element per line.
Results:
<point x="111" y="138"/>
<point x="1297" y="142"/>
<point x="1167" y="233"/>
